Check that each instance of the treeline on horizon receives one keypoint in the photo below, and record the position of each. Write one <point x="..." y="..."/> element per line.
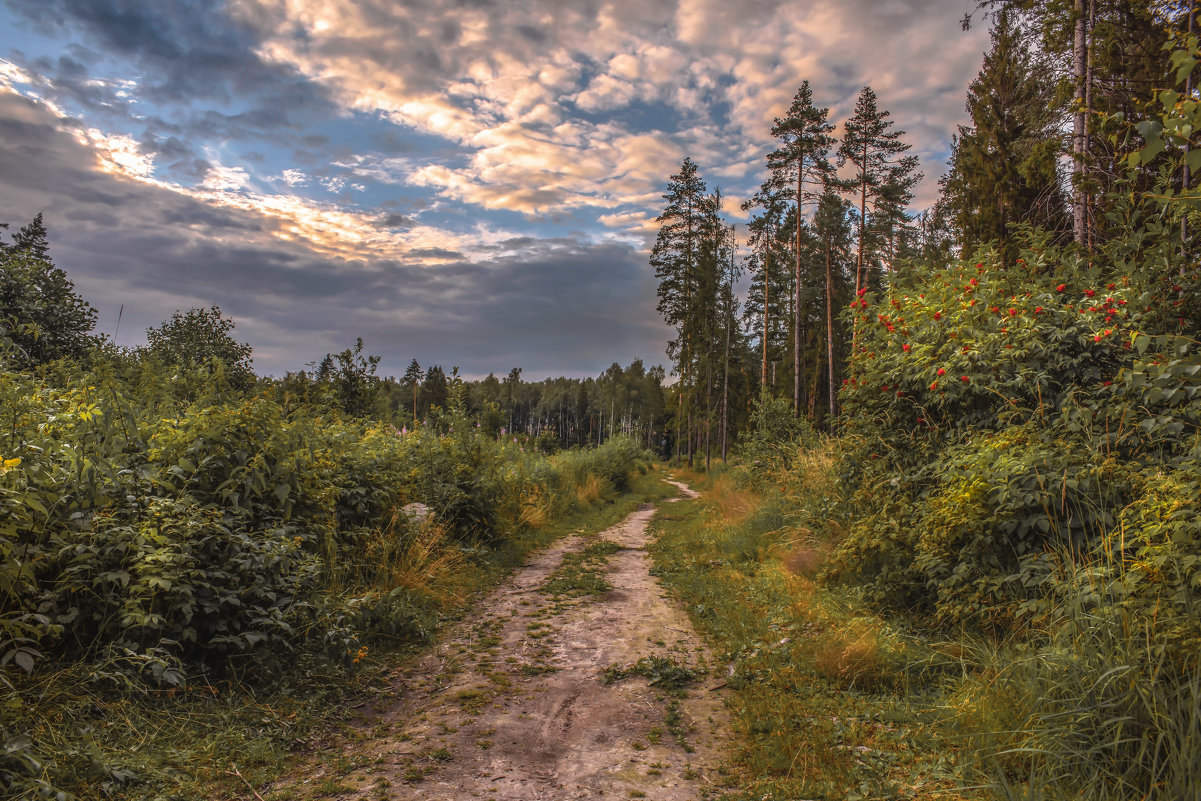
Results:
<point x="46" y="320"/>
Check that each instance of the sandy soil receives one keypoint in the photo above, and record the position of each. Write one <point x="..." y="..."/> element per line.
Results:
<point x="512" y="704"/>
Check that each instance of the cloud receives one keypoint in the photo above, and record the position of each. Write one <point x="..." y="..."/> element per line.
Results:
<point x="501" y="75"/>
<point x="456" y="180"/>
<point x="553" y="305"/>
<point x="185" y="50"/>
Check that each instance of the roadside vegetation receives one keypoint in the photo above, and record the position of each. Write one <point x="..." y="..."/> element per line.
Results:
<point x="195" y="564"/>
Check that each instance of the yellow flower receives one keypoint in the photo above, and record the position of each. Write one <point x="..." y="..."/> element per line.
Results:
<point x="9" y="464"/>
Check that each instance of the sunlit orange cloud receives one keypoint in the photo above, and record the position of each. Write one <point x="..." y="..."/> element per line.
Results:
<point x="507" y="80"/>
<point x="323" y="227"/>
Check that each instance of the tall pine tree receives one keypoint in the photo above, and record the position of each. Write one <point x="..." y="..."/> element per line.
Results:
<point x="874" y="148"/>
<point x="804" y="142"/>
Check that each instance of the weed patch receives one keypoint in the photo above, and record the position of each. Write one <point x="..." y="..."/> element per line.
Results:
<point x="581" y="573"/>
<point x="662" y="672"/>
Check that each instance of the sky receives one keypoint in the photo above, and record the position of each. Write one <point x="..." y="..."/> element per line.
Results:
<point x="470" y="183"/>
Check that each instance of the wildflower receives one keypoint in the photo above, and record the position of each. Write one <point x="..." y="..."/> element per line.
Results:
<point x="1038" y="309"/>
<point x="862" y="292"/>
<point x="1089" y="292"/>
<point x="964" y="379"/>
<point x="1061" y="287"/>
<point x="1013" y="312"/>
<point x="905" y="347"/>
<point x="934" y="385"/>
<point x="1111" y="286"/>
<point x="941" y="371"/>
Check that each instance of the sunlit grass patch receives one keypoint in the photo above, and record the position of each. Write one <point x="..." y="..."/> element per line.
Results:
<point x="830" y="700"/>
<point x="590" y="489"/>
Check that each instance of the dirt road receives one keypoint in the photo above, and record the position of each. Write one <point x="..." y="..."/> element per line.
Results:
<point x="547" y="691"/>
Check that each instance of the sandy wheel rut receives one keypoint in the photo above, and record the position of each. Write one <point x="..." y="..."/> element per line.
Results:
<point x="516" y="703"/>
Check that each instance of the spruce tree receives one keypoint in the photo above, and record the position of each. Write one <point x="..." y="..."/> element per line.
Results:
<point x="39" y="310"/>
<point x="771" y="280"/>
<point x="832" y="231"/>
<point x="32" y="239"/>
<point x="412" y="379"/>
<point x="676" y="259"/>
<point x="1004" y="167"/>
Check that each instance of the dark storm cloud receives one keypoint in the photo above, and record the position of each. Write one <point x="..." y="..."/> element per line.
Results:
<point x="187" y="50"/>
<point x="552" y="306"/>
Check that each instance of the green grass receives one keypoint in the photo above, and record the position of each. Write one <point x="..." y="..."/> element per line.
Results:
<point x="114" y="738"/>
<point x="830" y="701"/>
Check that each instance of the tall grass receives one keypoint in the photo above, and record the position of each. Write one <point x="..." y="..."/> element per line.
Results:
<point x="832" y="701"/>
<point x="1093" y="706"/>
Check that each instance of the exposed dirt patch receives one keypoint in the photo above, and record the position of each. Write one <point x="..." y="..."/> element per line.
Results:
<point x="514" y="704"/>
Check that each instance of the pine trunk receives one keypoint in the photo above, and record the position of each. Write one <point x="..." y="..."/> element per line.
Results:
<point x="830" y="336"/>
<point x="725" y="370"/>
<point x="796" y="288"/>
<point x="1079" y="122"/>
<point x="862" y="229"/>
<point x="708" y="415"/>
<point x="1185" y="179"/>
<point x="766" y="299"/>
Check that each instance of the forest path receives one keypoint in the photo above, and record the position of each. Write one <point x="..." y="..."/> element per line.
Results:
<point x="515" y="702"/>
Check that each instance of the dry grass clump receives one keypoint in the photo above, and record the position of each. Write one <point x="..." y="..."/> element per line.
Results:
<point x="730" y="502"/>
<point x="803" y="556"/>
<point x="849" y="655"/>
<point x="811" y="473"/>
<point x="590" y="489"/>
<point x="535" y="510"/>
<point x="417" y="556"/>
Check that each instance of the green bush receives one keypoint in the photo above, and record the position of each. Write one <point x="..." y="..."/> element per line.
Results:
<point x="998" y="411"/>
